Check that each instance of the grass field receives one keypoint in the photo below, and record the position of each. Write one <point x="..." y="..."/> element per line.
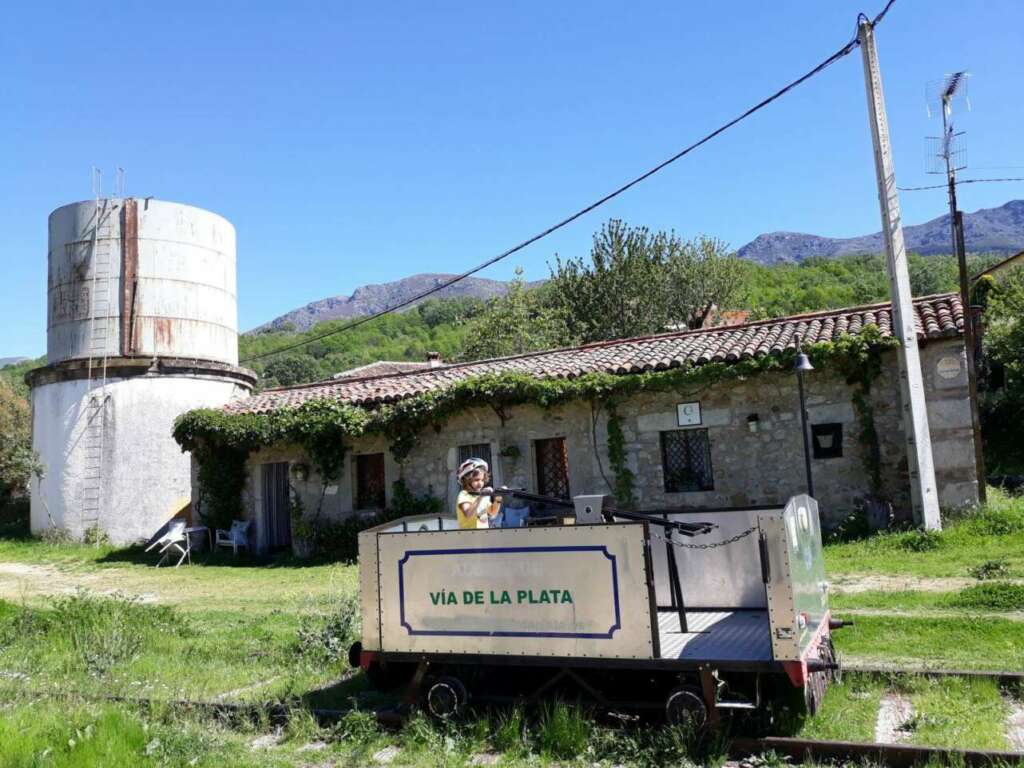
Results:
<point x="81" y="621"/>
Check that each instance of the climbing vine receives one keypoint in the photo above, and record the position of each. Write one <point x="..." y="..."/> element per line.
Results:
<point x="625" y="480"/>
<point x="221" y="441"/>
<point x="861" y="364"/>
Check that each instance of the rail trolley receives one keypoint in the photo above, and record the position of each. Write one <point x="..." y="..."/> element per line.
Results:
<point x="637" y="611"/>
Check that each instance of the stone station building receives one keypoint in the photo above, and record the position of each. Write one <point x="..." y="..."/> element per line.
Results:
<point x="732" y="443"/>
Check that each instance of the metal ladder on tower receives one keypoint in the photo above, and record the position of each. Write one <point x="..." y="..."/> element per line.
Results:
<point x="91" y="501"/>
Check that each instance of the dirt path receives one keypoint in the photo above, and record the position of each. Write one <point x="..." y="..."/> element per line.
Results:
<point x="878" y="582"/>
<point x="21" y="581"/>
<point x="932" y="614"/>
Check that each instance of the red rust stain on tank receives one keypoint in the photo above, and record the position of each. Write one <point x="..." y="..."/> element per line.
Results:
<point x="163" y="329"/>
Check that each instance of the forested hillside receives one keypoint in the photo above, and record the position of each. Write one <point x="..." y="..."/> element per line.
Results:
<point x="447" y="325"/>
<point x="437" y="325"/>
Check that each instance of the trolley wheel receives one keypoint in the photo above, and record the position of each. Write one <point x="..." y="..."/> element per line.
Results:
<point x="445" y="698"/>
<point x="355" y="653"/>
<point x="830" y="654"/>
<point x="685" y="704"/>
<point x="814" y="691"/>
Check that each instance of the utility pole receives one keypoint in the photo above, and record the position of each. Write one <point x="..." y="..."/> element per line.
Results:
<point x="949" y="89"/>
<point x="972" y="367"/>
<point x="920" y="466"/>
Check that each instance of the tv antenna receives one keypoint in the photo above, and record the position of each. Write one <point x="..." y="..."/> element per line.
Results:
<point x="947" y="155"/>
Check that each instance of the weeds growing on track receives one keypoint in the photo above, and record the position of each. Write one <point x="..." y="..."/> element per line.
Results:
<point x="993" y="596"/>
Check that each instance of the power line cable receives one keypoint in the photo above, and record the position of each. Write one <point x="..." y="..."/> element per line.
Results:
<point x="844" y="51"/>
<point x="958" y="181"/>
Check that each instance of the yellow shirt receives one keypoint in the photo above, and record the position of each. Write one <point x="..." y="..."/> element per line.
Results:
<point x="478" y="506"/>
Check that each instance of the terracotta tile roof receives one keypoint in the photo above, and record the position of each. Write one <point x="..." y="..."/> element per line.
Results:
<point x="937" y="317"/>
<point x="381" y="368"/>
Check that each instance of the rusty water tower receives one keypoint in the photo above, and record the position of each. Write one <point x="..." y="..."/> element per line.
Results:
<point x="141" y="327"/>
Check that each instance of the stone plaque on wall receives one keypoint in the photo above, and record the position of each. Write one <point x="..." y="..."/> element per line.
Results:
<point x="948" y="367"/>
<point x="688" y="414"/>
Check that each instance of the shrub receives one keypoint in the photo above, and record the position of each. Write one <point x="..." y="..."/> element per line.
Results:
<point x="357" y="726"/>
<point x="563" y="731"/>
<point x="918" y="540"/>
<point x="996" y="596"/>
<point x="510" y="735"/>
<point x="422" y="733"/>
<point x="326" y="637"/>
<point x="990" y="569"/>
<point x="96" y="633"/>
<point x="997" y="520"/>
<point x="14" y="519"/>
<point x="105" y="631"/>
<point x="340" y="539"/>
<point x="853" y="527"/>
<point x="647" y="747"/>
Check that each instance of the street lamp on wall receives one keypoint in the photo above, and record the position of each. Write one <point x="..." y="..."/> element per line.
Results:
<point x="802" y="365"/>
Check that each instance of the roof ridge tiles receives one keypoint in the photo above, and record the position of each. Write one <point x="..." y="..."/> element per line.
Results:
<point x="936" y="316"/>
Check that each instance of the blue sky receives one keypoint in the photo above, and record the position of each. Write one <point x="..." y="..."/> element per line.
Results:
<point x="356" y="143"/>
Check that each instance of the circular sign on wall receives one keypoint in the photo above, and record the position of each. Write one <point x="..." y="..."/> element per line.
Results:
<point x="948" y="367"/>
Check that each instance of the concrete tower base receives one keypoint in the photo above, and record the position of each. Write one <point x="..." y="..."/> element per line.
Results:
<point x="143" y="477"/>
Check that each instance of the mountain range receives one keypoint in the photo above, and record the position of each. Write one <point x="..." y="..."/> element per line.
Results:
<point x="368" y="299"/>
<point x="989" y="230"/>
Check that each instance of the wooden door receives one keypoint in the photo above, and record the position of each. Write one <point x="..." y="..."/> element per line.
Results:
<point x="370" y="481"/>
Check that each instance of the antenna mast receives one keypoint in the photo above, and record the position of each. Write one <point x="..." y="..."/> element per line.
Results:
<point x="950" y="158"/>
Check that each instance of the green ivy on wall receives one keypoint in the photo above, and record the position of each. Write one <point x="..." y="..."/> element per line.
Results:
<point x="220" y="441"/>
<point x="625" y="480"/>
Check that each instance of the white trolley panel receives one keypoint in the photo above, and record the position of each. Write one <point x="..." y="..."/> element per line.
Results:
<point x="573" y="591"/>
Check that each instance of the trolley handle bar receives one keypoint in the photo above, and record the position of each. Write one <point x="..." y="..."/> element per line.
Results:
<point x="678" y="526"/>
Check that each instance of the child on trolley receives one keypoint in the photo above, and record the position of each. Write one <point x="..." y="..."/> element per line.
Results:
<point x="476" y="505"/>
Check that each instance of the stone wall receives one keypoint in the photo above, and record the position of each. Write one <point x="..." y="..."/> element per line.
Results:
<point x="749" y="467"/>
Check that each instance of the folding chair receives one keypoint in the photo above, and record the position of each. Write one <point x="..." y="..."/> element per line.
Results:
<point x="174" y="539"/>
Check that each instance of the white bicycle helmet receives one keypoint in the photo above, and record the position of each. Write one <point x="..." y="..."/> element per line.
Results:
<point x="469" y="466"/>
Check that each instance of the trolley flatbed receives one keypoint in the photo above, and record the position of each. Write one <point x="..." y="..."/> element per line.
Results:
<point x="733" y="636"/>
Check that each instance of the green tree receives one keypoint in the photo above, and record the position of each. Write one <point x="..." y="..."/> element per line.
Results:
<point x="1002" y="405"/>
<point x="14" y="374"/>
<point x="17" y="460"/>
<point x="519" y="321"/>
<point x="639" y="282"/>
<point x="435" y="312"/>
<point x="291" y="369"/>
<point x="1004" y="338"/>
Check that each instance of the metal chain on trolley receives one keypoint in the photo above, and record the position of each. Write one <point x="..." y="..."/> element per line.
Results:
<point x="713" y="545"/>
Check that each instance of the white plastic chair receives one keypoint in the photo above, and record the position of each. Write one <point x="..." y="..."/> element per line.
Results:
<point x="237" y="536"/>
<point x="174" y="538"/>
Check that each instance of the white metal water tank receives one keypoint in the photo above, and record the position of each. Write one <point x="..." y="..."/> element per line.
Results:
<point x="142" y="326"/>
<point x="141" y="277"/>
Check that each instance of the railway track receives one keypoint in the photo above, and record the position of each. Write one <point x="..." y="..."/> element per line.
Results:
<point x="794" y="748"/>
<point x="1001" y="677"/>
<point x="899" y="755"/>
